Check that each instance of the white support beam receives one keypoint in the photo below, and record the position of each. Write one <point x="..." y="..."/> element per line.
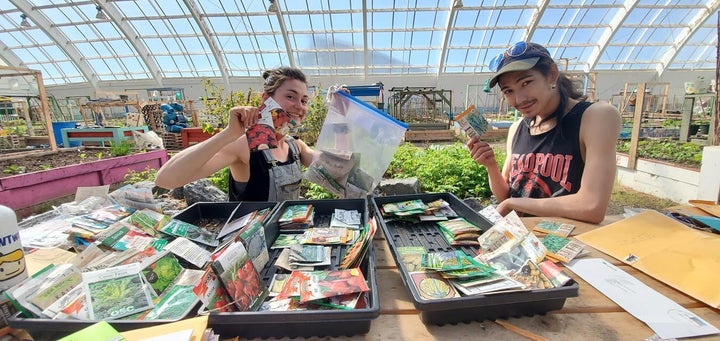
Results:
<point x="366" y="54"/>
<point x="607" y="36"/>
<point x="535" y="19"/>
<point x="59" y="38"/>
<point x="133" y="38"/>
<point x="9" y="57"/>
<point x="446" y="36"/>
<point x="710" y="7"/>
<point x="284" y="33"/>
<point x="217" y="53"/>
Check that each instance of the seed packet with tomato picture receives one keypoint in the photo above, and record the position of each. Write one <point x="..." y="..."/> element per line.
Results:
<point x="291" y="288"/>
<point x="344" y="302"/>
<point x="261" y="135"/>
<point x="213" y="294"/>
<point x="329" y="283"/>
<point x="238" y="275"/>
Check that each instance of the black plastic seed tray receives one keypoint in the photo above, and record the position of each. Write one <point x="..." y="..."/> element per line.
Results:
<point x="465" y="308"/>
<point x="223" y="212"/>
<point x="308" y="323"/>
<point x="47" y="329"/>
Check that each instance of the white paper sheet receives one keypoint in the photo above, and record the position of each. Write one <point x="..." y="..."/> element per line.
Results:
<point x="665" y="317"/>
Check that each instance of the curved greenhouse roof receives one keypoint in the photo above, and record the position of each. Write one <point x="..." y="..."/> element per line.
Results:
<point x="75" y="42"/>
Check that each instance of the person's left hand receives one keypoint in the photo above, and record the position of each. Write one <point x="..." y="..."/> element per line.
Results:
<point x="505" y="207"/>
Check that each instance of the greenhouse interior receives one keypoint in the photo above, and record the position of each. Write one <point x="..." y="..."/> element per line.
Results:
<point x="98" y="96"/>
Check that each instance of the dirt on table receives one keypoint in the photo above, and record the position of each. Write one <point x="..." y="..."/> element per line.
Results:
<point x="213" y="225"/>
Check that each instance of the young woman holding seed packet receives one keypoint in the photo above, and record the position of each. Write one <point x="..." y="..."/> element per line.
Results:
<point x="561" y="154"/>
<point x="269" y="174"/>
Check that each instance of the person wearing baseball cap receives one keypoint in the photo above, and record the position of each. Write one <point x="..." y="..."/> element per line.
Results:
<point x="561" y="155"/>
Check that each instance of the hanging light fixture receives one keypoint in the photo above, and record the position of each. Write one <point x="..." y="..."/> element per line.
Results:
<point x="100" y="14"/>
<point x="273" y="7"/>
<point x="24" y="22"/>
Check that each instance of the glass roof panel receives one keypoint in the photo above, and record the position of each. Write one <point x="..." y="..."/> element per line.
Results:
<point x="151" y="38"/>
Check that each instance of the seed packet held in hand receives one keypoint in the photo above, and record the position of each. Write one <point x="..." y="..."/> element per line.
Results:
<point x="472" y="122"/>
<point x="261" y="135"/>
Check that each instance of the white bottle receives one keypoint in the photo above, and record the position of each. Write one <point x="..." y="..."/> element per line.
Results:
<point x="12" y="257"/>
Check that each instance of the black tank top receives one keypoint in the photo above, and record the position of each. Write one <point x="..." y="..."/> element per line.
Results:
<point x="548" y="164"/>
<point x="257" y="188"/>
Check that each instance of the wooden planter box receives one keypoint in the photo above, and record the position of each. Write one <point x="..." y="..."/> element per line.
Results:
<point x="100" y="135"/>
<point x="194" y="135"/>
<point x="24" y="190"/>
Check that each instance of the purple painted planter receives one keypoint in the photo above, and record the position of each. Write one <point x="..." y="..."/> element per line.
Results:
<point x="24" y="190"/>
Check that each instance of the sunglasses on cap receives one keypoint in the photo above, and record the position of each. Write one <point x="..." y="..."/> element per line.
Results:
<point x="515" y="52"/>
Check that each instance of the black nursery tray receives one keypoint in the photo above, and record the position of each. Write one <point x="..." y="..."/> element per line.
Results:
<point x="465" y="308"/>
<point x="308" y="323"/>
<point x="47" y="329"/>
<point x="223" y="212"/>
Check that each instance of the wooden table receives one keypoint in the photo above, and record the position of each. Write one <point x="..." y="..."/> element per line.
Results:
<point x="590" y="316"/>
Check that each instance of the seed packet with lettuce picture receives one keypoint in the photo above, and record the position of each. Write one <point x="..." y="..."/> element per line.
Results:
<point x="116" y="292"/>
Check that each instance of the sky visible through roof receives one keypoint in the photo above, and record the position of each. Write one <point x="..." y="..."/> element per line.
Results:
<point x="153" y="39"/>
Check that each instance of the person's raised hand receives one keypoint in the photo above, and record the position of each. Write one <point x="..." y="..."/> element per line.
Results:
<point x="481" y="152"/>
<point x="242" y="117"/>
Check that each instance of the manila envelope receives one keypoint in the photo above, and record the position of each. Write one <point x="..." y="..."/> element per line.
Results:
<point x="707" y="206"/>
<point x="665" y="249"/>
<point x="197" y="324"/>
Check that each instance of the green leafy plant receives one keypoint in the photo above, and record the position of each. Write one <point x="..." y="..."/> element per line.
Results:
<point x="121" y="149"/>
<point x="685" y="153"/>
<point x="313" y="121"/>
<point x="671" y="123"/>
<point x="82" y="157"/>
<point x="133" y="177"/>
<point x="217" y="104"/>
<point x="16" y="127"/>
<point x="220" y="179"/>
<point x="99" y="155"/>
<point x="443" y="169"/>
<point x="314" y="191"/>
<point x="14" y="169"/>
<point x="45" y="167"/>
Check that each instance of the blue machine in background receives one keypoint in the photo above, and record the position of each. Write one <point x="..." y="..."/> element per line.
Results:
<point x="373" y="90"/>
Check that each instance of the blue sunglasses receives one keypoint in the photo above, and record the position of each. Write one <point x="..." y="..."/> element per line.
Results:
<point x="517" y="50"/>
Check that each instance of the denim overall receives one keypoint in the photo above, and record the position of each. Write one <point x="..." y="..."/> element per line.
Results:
<point x="284" y="179"/>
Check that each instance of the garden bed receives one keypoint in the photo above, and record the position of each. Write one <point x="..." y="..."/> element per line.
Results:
<point x="50" y="175"/>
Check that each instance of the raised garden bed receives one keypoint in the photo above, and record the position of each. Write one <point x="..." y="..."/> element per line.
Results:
<point x="19" y="191"/>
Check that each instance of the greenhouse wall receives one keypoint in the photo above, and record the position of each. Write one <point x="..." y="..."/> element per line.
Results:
<point x="672" y="182"/>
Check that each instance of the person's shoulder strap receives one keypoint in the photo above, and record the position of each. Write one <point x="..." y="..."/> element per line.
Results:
<point x="580" y="107"/>
<point x="293" y="147"/>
